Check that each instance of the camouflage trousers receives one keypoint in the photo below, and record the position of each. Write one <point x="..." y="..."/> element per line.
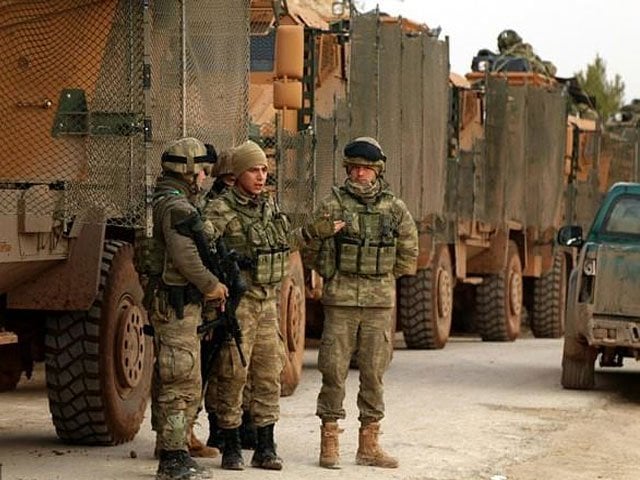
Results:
<point x="211" y="394"/>
<point x="176" y="383"/>
<point x="348" y="330"/>
<point x="263" y="348"/>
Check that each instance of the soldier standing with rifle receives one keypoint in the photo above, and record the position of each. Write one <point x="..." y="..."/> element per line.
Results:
<point x="176" y="305"/>
<point x="251" y="224"/>
<point x="224" y="181"/>
<point x="360" y="265"/>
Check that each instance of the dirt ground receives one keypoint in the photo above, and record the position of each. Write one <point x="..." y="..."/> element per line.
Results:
<point x="471" y="411"/>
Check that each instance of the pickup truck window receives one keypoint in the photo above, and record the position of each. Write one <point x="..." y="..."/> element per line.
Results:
<point x="624" y="217"/>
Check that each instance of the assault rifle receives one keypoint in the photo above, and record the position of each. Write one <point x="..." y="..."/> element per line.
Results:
<point x="225" y="326"/>
<point x="224" y="264"/>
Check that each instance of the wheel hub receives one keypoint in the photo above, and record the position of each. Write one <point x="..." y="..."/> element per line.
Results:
<point x="445" y="299"/>
<point x="293" y="317"/>
<point x="515" y="293"/>
<point x="130" y="344"/>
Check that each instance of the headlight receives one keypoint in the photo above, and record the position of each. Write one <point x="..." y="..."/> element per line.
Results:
<point x="589" y="267"/>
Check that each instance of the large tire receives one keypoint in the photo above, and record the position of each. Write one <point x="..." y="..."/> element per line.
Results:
<point x="549" y="300"/>
<point x="578" y="370"/>
<point x="499" y="301"/>
<point x="425" y="303"/>
<point x="292" y="325"/>
<point x="99" y="362"/>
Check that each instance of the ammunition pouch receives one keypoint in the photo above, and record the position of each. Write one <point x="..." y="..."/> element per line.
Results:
<point x="365" y="258"/>
<point x="270" y="265"/>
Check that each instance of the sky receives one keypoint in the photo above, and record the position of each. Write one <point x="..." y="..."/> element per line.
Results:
<point x="567" y="32"/>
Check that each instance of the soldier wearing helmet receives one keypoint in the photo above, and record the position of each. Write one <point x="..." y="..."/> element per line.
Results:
<point x="511" y="44"/>
<point x="223" y="173"/>
<point x="507" y="40"/>
<point x="176" y="307"/>
<point x="360" y="265"/>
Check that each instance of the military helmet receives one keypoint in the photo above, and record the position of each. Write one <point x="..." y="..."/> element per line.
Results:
<point x="223" y="165"/>
<point x="507" y="39"/>
<point x="364" y="151"/>
<point x="188" y="155"/>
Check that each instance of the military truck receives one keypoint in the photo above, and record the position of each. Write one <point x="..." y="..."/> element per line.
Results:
<point x="490" y="166"/>
<point x="91" y="93"/>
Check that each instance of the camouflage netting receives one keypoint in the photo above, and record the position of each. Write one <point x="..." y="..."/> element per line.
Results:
<point x="87" y="120"/>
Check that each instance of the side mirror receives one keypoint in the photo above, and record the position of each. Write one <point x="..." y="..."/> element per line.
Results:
<point x="570" y="236"/>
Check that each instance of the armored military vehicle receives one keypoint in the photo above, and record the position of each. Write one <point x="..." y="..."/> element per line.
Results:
<point x="91" y="93"/>
<point x="489" y="165"/>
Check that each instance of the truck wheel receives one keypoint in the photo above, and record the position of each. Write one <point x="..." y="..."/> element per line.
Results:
<point x="292" y="324"/>
<point x="425" y="303"/>
<point x="549" y="299"/>
<point x="99" y="362"/>
<point x="499" y="301"/>
<point x="578" y="371"/>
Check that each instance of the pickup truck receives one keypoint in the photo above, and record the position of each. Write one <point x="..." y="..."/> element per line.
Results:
<point x="603" y="301"/>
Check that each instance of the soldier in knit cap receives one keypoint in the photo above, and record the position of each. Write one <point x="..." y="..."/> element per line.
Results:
<point x="360" y="265"/>
<point x="251" y="223"/>
<point x="224" y="181"/>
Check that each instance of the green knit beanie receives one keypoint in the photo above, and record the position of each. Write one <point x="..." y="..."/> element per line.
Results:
<point x="246" y="156"/>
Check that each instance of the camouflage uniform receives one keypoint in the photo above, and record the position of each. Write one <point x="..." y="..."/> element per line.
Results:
<point x="359" y="306"/>
<point x="175" y="310"/>
<point x="232" y="213"/>
<point x="177" y="369"/>
<point x="254" y="227"/>
<point x="222" y="184"/>
<point x="360" y="265"/>
<point x="510" y="44"/>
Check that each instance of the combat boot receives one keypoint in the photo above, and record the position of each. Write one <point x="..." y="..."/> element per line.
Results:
<point x="173" y="465"/>
<point x="330" y="445"/>
<point x="248" y="435"/>
<point x="198" y="449"/>
<point x="232" y="450"/>
<point x="215" y="439"/>
<point x="265" y="455"/>
<point x="369" y="451"/>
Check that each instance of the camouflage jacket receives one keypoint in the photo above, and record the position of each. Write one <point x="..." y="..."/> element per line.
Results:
<point x="381" y="229"/>
<point x="256" y="229"/>
<point x="182" y="264"/>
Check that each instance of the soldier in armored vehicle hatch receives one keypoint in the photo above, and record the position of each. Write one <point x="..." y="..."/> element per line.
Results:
<point x="510" y="44"/>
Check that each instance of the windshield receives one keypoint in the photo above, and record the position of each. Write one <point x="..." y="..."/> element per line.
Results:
<point x="624" y="217"/>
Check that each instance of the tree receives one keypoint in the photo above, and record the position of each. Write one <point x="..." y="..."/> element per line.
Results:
<point x="608" y="94"/>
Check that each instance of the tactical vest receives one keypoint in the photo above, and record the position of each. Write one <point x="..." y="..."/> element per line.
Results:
<point x="367" y="243"/>
<point x="262" y="238"/>
<point x="149" y="251"/>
